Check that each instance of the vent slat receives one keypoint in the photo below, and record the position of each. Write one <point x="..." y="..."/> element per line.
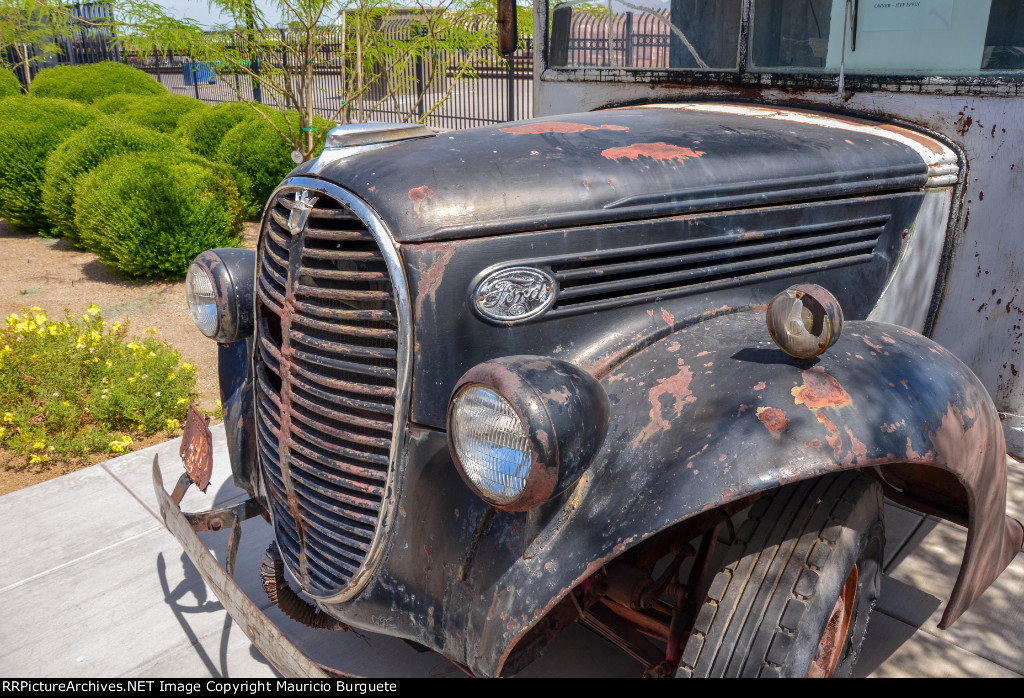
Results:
<point x="342" y="349"/>
<point x="643" y="266"/>
<point x="344" y="313"/>
<point x="338" y="294"/>
<point x="383" y="334"/>
<point x="672" y="280"/>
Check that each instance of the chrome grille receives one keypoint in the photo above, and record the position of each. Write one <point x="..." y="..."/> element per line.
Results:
<point x="327" y="367"/>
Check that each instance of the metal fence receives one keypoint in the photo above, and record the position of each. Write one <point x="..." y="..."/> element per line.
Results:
<point x="91" y="40"/>
<point x="495" y="90"/>
<point x="638" y="40"/>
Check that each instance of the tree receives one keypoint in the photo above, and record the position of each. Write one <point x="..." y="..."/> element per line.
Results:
<point x="371" y="44"/>
<point x="30" y="29"/>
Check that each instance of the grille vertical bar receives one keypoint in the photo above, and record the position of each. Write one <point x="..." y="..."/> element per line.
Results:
<point x="328" y="364"/>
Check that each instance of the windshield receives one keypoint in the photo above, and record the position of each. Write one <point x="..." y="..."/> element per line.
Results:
<point x="912" y="37"/>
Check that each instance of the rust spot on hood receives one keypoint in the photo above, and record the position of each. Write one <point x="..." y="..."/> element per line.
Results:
<point x="657" y="151"/>
<point x="418" y="194"/>
<point x="773" y="418"/>
<point x="820" y="390"/>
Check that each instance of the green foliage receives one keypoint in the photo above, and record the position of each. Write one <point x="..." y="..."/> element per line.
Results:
<point x="150" y="214"/>
<point x="29" y="30"/>
<point x="10" y="85"/>
<point x="66" y="386"/>
<point x="84" y="151"/>
<point x="202" y="130"/>
<point x="261" y="156"/>
<point x="30" y="129"/>
<point x="160" y="113"/>
<point x="374" y="39"/>
<point x="89" y="83"/>
<point x="113" y="104"/>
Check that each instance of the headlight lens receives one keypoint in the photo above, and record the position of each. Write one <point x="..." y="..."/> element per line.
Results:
<point x="491" y="443"/>
<point x="202" y="301"/>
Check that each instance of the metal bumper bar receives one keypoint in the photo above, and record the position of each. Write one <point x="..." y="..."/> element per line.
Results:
<point x="281" y="652"/>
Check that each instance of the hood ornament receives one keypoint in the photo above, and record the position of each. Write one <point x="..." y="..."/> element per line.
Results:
<point x="299" y="213"/>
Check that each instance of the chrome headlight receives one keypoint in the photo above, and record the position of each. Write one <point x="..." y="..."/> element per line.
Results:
<point x="523" y="428"/>
<point x="804" y="320"/>
<point x="491" y="443"/>
<point x="219" y="288"/>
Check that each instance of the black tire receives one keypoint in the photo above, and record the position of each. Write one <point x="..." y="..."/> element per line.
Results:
<point x="768" y="606"/>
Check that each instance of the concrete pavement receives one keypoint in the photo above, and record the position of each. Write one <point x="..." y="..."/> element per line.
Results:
<point x="92" y="585"/>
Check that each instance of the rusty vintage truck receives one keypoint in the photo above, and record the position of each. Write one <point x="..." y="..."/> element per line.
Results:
<point x="648" y="362"/>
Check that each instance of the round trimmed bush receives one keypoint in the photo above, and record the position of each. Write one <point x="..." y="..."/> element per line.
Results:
<point x="160" y="113"/>
<point x="81" y="153"/>
<point x="202" y="130"/>
<point x="260" y="156"/>
<point x="88" y="83"/>
<point x="10" y="85"/>
<point x="30" y="129"/>
<point x="150" y="214"/>
<point x="112" y="104"/>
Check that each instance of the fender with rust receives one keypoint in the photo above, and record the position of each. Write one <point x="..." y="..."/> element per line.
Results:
<point x="717" y="412"/>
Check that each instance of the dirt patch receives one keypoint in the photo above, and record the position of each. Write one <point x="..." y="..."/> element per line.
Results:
<point x="54" y="276"/>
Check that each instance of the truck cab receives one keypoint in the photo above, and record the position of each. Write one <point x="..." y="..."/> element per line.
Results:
<point x="647" y="362"/>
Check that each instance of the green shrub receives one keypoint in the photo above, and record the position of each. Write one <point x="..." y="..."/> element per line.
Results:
<point x="260" y="156"/>
<point x="160" y="113"/>
<point x="30" y="129"/>
<point x="113" y="104"/>
<point x="68" y="385"/>
<point x="88" y="83"/>
<point x="83" y="152"/>
<point x="150" y="214"/>
<point x="202" y="130"/>
<point x="10" y="85"/>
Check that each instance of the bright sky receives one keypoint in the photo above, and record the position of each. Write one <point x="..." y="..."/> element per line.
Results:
<point x="197" y="10"/>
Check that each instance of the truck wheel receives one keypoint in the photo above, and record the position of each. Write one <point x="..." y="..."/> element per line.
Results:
<point x="794" y="593"/>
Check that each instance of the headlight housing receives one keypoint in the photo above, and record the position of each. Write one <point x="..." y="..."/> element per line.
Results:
<point x="524" y="428"/>
<point x="804" y="320"/>
<point x="219" y="288"/>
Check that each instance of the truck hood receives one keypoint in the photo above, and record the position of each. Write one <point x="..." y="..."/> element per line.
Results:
<point x="626" y="164"/>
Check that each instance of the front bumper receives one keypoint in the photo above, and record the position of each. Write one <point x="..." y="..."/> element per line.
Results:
<point x="280" y="651"/>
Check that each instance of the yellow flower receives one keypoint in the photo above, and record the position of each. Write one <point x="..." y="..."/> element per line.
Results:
<point x="115" y="327"/>
<point x="3" y="430"/>
<point x="151" y="355"/>
<point x="109" y="363"/>
<point x="133" y="346"/>
<point x="53" y="330"/>
<point x="39" y="445"/>
<point x="172" y="424"/>
<point x="181" y="401"/>
<point x="121" y="445"/>
<point x="188" y="367"/>
<point x="40" y="318"/>
<point x="36" y="458"/>
<point x="12" y="319"/>
<point x="8" y="417"/>
<point x="93" y="310"/>
<point x="149" y="330"/>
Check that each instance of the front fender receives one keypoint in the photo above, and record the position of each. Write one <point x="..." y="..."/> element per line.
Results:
<point x="716" y="412"/>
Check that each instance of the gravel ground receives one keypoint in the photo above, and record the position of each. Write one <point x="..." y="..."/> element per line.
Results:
<point x="53" y="275"/>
